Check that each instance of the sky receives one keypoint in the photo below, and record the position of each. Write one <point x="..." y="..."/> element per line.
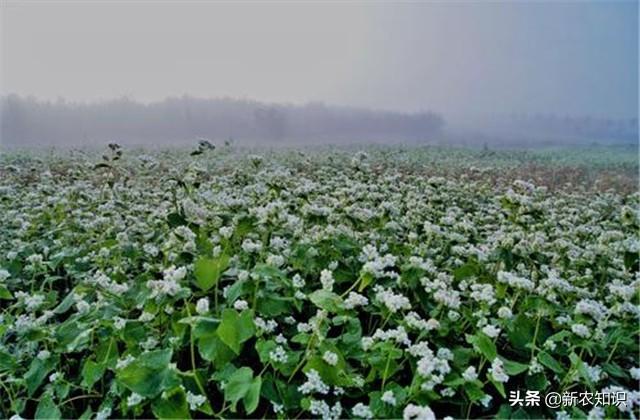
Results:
<point x="457" y="58"/>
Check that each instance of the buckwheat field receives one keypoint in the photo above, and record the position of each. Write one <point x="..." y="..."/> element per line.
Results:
<point x="385" y="283"/>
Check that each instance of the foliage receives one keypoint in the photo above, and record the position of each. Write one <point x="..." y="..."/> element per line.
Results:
<point x="308" y="284"/>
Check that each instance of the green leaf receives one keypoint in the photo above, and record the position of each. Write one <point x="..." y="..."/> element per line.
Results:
<point x="149" y="374"/>
<point x="264" y="348"/>
<point x="500" y="387"/>
<point x="66" y="303"/>
<point x="326" y="300"/>
<point x="365" y="280"/>
<point x="134" y="332"/>
<point x="91" y="373"/>
<point x="504" y="412"/>
<point x="208" y="270"/>
<point x="579" y="365"/>
<point x="5" y="293"/>
<point x="171" y="405"/>
<point x="38" y="370"/>
<point x="252" y="397"/>
<point x="329" y="374"/>
<point x="47" y="409"/>
<point x="483" y="345"/>
<point x="73" y="335"/>
<point x="7" y="361"/>
<point x="521" y="332"/>
<point x="238" y="385"/>
<point x="514" y="368"/>
<point x="469" y="269"/>
<point x="615" y="370"/>
<point x="549" y="361"/>
<point x="211" y="348"/>
<point x="474" y="390"/>
<point x="175" y="220"/>
<point x="235" y="329"/>
<point x="536" y="382"/>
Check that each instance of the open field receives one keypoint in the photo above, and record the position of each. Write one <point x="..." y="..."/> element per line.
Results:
<point x="400" y="282"/>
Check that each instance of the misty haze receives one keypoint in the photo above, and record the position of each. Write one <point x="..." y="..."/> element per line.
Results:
<point x="328" y="210"/>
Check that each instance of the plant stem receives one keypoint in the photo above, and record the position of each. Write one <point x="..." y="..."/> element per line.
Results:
<point x="193" y="353"/>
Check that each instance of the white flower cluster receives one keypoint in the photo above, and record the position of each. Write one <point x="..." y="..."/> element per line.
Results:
<point x="354" y="300"/>
<point x="202" y="306"/>
<point x="515" y="281"/>
<point x="416" y="412"/>
<point x="195" y="400"/>
<point x="414" y="320"/>
<point x="313" y="384"/>
<point x="393" y="301"/>
<point x="375" y="264"/>
<point x="169" y="285"/>
<point x="324" y="411"/>
<point x="102" y="280"/>
<point x="497" y="371"/>
<point x="326" y="279"/>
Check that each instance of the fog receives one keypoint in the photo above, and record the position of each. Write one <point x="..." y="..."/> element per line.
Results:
<point x="460" y="72"/>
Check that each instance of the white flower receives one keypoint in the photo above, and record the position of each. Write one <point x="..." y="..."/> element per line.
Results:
<point x="43" y="355"/>
<point x="313" y="384"/>
<point x="202" y="306"/>
<point x="483" y="292"/>
<point x="174" y="274"/>
<point x="277" y="408"/>
<point x="275" y="260"/>
<point x="362" y="411"/>
<point x="497" y="371"/>
<point x="355" y="299"/>
<point x="149" y="343"/>
<point x="265" y="326"/>
<point x="226" y="231"/>
<point x="515" y="281"/>
<point x="330" y="357"/>
<point x="453" y="316"/>
<point x="596" y="413"/>
<point x="504" y="312"/>
<point x="491" y="330"/>
<point x="415" y="412"/>
<point x="486" y="400"/>
<point x="388" y="398"/>
<point x="169" y="285"/>
<point x="134" y="399"/>
<point x="366" y="343"/>
<point x="297" y="281"/>
<point x="55" y="376"/>
<point x="580" y="330"/>
<point x="83" y="307"/>
<point x="470" y="374"/>
<point x="535" y="367"/>
<point x="103" y="414"/>
<point x="119" y="323"/>
<point x="594" y="372"/>
<point x="195" y="401"/>
<point x="591" y="307"/>
<point x="278" y="355"/>
<point x="393" y="301"/>
<point x="635" y="373"/>
<point x="33" y="302"/>
<point x="326" y="279"/>
<point x="146" y="316"/>
<point x="240" y="305"/>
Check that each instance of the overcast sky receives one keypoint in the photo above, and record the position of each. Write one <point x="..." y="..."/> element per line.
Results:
<point x="571" y="58"/>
